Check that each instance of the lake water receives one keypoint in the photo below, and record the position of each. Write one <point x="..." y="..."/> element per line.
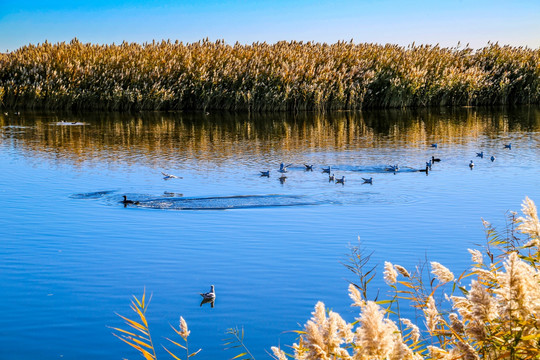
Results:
<point x="71" y="255"/>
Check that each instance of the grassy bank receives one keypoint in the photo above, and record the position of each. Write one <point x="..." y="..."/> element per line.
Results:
<point x="286" y="76"/>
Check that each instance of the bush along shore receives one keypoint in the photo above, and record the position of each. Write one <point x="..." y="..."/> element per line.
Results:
<point x="285" y="76"/>
<point x="490" y="311"/>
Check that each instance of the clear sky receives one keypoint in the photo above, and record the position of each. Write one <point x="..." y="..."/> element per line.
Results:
<point x="381" y="21"/>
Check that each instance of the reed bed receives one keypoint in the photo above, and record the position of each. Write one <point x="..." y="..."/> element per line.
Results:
<point x="285" y="76"/>
<point x="490" y="311"/>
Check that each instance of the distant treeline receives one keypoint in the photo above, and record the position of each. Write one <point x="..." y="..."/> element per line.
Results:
<point x="286" y="76"/>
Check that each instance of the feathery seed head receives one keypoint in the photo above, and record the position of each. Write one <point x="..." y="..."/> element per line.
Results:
<point x="415" y="331"/>
<point x="390" y="274"/>
<point x="184" y="332"/>
<point x="356" y="296"/>
<point x="441" y="272"/>
<point x="278" y="353"/>
<point x="476" y="255"/>
<point x="375" y="336"/>
<point x="529" y="224"/>
<point x="432" y="315"/>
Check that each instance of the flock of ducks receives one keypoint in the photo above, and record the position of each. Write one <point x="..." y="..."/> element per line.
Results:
<point x="283" y="170"/>
<point x="392" y="168"/>
<point x="331" y="177"/>
<point x="492" y="158"/>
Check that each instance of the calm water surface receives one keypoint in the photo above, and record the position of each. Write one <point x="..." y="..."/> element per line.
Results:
<point x="71" y="255"/>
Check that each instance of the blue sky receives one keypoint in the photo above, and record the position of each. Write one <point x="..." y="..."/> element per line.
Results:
<point x="381" y="21"/>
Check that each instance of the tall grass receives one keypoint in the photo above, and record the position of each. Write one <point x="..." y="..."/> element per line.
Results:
<point x="491" y="311"/>
<point x="285" y="76"/>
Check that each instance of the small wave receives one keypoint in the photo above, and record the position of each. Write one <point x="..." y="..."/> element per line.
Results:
<point x="226" y="202"/>
<point x="92" y="195"/>
<point x="176" y="201"/>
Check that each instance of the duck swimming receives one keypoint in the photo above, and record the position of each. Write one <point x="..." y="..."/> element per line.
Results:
<point x="471" y="164"/>
<point x="434" y="160"/>
<point x="428" y="164"/>
<point x="282" y="179"/>
<point x="434" y="145"/>
<point x="126" y="201"/>
<point x="341" y="181"/>
<point x="331" y="178"/>
<point x="393" y="168"/>
<point x="326" y="170"/>
<point x="308" y="167"/>
<point x="368" y="181"/>
<point x="492" y="158"/>
<point x="211" y="295"/>
<point x="265" y="173"/>
<point x="480" y="155"/>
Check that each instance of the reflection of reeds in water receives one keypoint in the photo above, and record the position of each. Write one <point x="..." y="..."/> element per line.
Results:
<point x="291" y="76"/>
<point x="162" y="137"/>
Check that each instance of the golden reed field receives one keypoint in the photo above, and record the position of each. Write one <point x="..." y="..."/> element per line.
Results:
<point x="285" y="76"/>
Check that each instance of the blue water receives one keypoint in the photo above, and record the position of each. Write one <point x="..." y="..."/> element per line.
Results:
<point x="71" y="255"/>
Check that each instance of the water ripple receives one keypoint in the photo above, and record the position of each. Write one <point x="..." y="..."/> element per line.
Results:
<point x="92" y="195"/>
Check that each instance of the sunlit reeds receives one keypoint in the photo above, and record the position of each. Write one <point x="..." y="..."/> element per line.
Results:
<point x="285" y="76"/>
<point x="491" y="311"/>
<point x="137" y="334"/>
